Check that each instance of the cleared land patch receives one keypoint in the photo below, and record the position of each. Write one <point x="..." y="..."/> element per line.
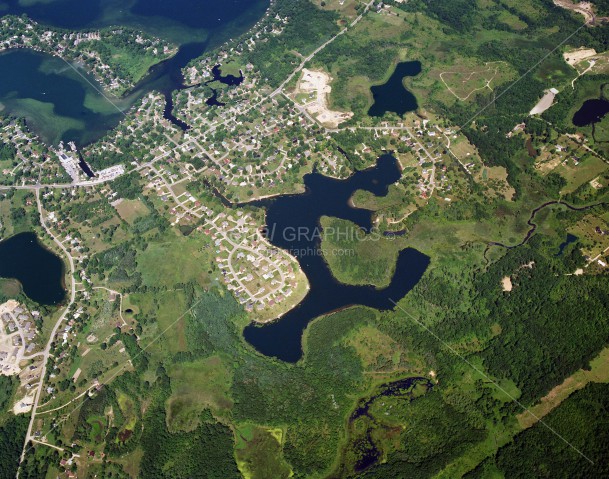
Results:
<point x="195" y="386"/>
<point x="130" y="210"/>
<point x="465" y="80"/>
<point x="312" y="92"/>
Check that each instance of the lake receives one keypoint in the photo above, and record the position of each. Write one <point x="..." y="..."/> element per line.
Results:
<point x="287" y="214"/>
<point x="181" y="21"/>
<point x="55" y="101"/>
<point x="392" y="96"/>
<point x="40" y="272"/>
<point x="59" y="104"/>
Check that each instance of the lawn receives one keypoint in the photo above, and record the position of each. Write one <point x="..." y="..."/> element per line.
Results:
<point x="585" y="171"/>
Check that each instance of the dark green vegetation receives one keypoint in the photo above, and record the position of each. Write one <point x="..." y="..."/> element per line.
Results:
<point x="308" y="28"/>
<point x="196" y="400"/>
<point x="581" y="418"/>
<point x="12" y="435"/>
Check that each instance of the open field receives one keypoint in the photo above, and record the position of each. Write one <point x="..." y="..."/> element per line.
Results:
<point x="178" y="260"/>
<point x="345" y="8"/>
<point x="204" y="383"/>
<point x="258" y="451"/>
<point x="130" y="210"/>
<point x="465" y="80"/>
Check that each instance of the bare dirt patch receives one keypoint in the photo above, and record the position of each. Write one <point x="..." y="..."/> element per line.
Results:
<point x="24" y="405"/>
<point x="312" y="92"/>
<point x="586" y="9"/>
<point x="506" y="284"/>
<point x="546" y="102"/>
<point x="576" y="56"/>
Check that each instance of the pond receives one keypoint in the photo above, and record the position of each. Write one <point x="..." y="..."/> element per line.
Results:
<point x="288" y="214"/>
<point x="392" y="96"/>
<point x="592" y="111"/>
<point x="570" y="239"/>
<point x="40" y="272"/>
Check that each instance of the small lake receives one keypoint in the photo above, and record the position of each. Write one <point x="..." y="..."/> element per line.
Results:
<point x="326" y="196"/>
<point x="592" y="111"/>
<point x="59" y="104"/>
<point x="40" y="272"/>
<point x="392" y="96"/>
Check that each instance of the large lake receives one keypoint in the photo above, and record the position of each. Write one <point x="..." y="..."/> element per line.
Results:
<point x="40" y="272"/>
<point x="60" y="104"/>
<point x="301" y="213"/>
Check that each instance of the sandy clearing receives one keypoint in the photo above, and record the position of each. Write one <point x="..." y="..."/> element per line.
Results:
<point x="576" y="56"/>
<point x="318" y="82"/>
<point x="8" y="306"/>
<point x="583" y="8"/>
<point x="506" y="284"/>
<point x="24" y="405"/>
<point x="546" y="102"/>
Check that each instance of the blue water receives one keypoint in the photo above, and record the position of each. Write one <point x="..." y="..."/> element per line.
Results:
<point x="392" y="96"/>
<point x="78" y="111"/>
<point x="39" y="271"/>
<point x="301" y="213"/>
<point x="591" y="111"/>
<point x="570" y="239"/>
<point x="182" y="21"/>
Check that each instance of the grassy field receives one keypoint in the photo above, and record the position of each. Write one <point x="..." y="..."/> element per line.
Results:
<point x="177" y="260"/>
<point x="196" y="385"/>
<point x="258" y="451"/>
<point x="130" y="210"/>
<point x="9" y="288"/>
<point x="584" y="172"/>
<point x="355" y="258"/>
<point x="380" y="354"/>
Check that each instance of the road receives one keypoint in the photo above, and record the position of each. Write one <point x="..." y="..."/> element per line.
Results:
<point x="38" y="186"/>
<point x="317" y="50"/>
<point x="47" y="350"/>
